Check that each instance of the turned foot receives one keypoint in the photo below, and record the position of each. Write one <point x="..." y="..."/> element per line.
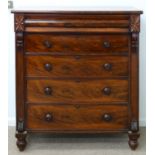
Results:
<point x="21" y="140"/>
<point x="133" y="139"/>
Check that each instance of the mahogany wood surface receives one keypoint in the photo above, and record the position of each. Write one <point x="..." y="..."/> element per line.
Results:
<point x="77" y="91"/>
<point x="83" y="117"/>
<point x="77" y="66"/>
<point x="76" y="44"/>
<point x="77" y="72"/>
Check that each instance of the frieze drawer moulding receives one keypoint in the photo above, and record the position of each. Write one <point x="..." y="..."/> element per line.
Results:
<point x="77" y="72"/>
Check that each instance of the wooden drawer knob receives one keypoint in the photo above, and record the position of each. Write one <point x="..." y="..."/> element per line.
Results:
<point x="47" y="44"/>
<point x="107" y="117"/>
<point x="107" y="91"/>
<point x="106" y="44"/>
<point x="48" y="67"/>
<point x="107" y="66"/>
<point x="48" y="91"/>
<point x="48" y="117"/>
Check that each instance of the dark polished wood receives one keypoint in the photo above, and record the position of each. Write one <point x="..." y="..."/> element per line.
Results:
<point x="73" y="117"/>
<point x="133" y="137"/>
<point x="77" y="72"/>
<point x="77" y="43"/>
<point x="77" y="66"/>
<point x="90" y="91"/>
<point x="21" y="140"/>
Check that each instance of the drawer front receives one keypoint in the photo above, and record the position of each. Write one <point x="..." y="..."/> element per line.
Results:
<point x="76" y="91"/>
<point x="77" y="20"/>
<point x="76" y="66"/>
<point x="77" y="44"/>
<point x="69" y="117"/>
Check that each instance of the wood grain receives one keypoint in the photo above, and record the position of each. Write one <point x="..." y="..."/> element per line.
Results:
<point x="74" y="91"/>
<point x="76" y="66"/>
<point x="70" y="117"/>
<point x="76" y="44"/>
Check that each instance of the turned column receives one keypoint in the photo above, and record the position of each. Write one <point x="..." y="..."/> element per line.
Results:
<point x="134" y="82"/>
<point x="20" y="107"/>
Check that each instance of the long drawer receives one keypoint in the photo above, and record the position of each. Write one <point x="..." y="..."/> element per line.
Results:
<point x="76" y="66"/>
<point x="77" y="43"/>
<point x="70" y="118"/>
<point x="76" y="91"/>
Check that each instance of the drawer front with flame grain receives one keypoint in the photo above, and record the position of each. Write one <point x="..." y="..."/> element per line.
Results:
<point x="83" y="117"/>
<point x="77" y="91"/>
<point x="77" y="66"/>
<point x="77" y="43"/>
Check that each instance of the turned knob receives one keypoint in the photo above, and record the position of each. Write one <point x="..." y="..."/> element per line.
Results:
<point x="107" y="66"/>
<point x="48" y="117"/>
<point x="47" y="44"/>
<point x="106" y="44"/>
<point x="107" y="117"/>
<point x="48" y="67"/>
<point x="48" y="91"/>
<point x="107" y="90"/>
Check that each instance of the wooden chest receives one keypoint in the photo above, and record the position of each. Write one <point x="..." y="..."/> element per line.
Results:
<point x="77" y="72"/>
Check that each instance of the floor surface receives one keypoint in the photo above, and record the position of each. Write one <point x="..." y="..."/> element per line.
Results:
<point x="39" y="144"/>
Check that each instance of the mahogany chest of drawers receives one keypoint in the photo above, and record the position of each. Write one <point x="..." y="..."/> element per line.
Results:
<point x="77" y="72"/>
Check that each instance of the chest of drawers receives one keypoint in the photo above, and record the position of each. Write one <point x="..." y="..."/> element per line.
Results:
<point x="77" y="72"/>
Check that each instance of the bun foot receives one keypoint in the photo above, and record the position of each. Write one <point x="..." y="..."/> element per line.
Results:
<point x="21" y="140"/>
<point x="133" y="139"/>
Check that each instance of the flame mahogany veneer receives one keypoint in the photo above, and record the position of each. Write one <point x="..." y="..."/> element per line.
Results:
<point x="77" y="72"/>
